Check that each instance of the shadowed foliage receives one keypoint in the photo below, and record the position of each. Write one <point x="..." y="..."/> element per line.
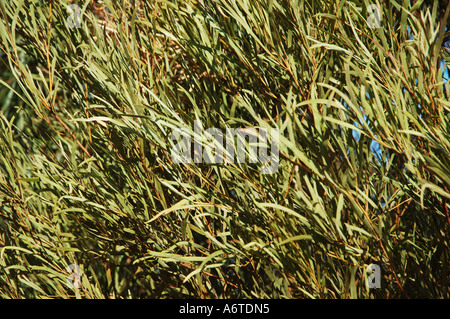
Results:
<point x="87" y="175"/>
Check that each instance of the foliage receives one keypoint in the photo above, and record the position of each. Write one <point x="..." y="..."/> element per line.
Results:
<point x="87" y="176"/>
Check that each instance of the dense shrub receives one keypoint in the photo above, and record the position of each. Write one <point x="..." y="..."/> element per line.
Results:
<point x="88" y="178"/>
